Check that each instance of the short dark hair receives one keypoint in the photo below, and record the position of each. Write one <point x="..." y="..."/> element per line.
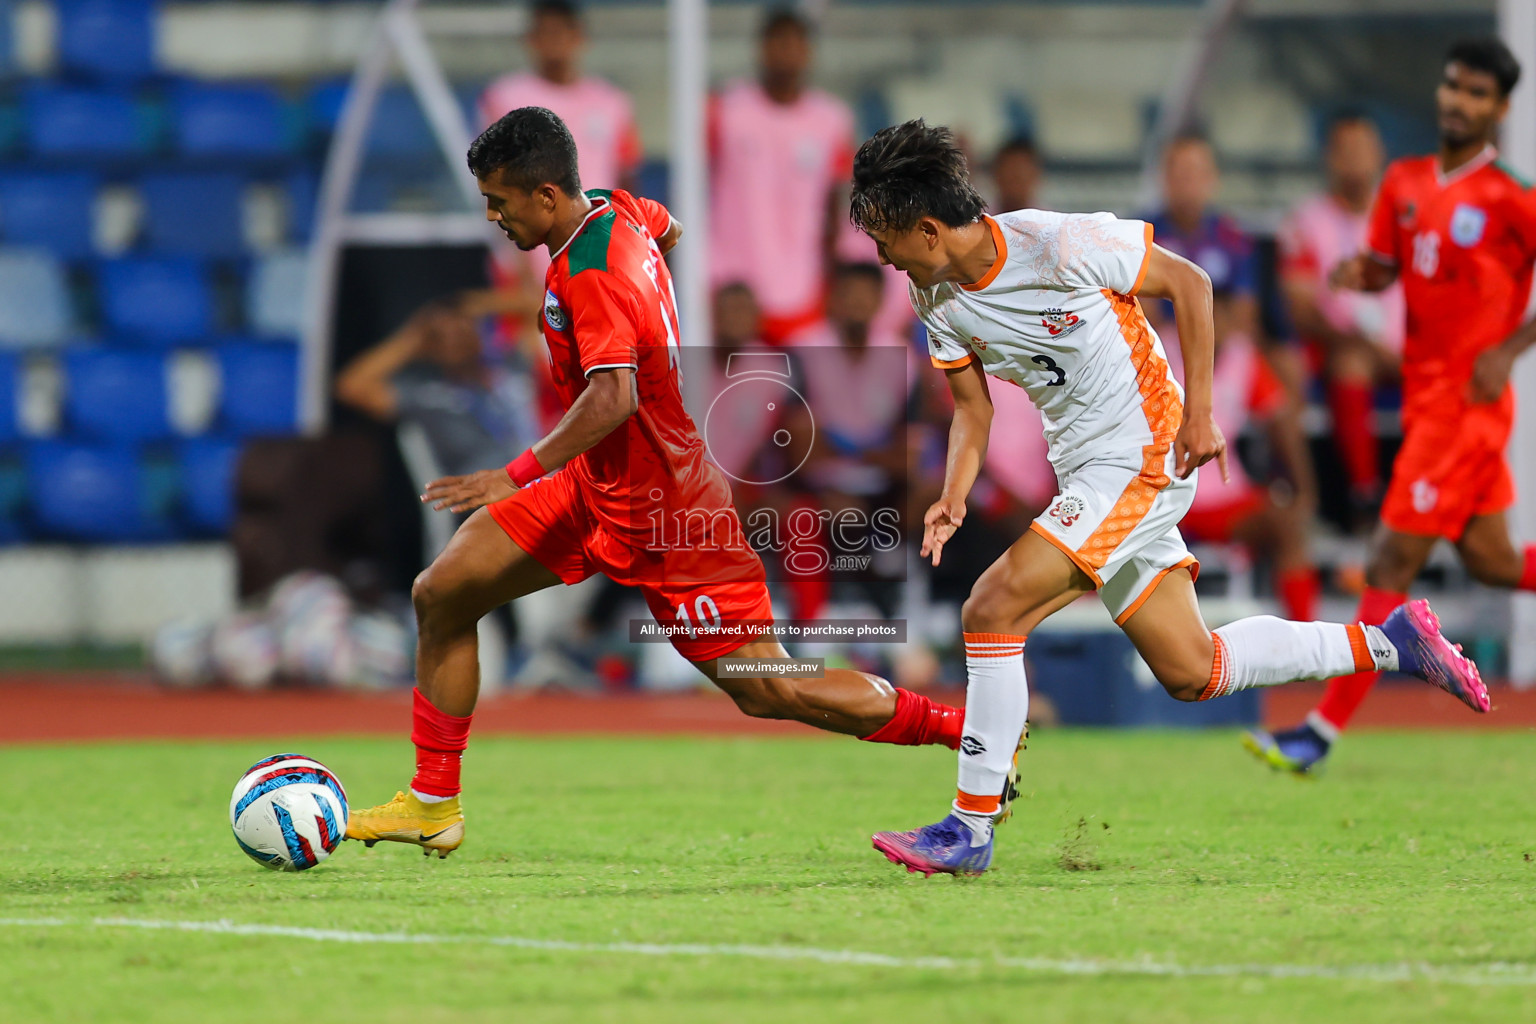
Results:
<point x="778" y="18"/>
<point x="856" y="269"/>
<point x="529" y="146"/>
<point x="1347" y="117"/>
<point x="554" y="9"/>
<point x="1488" y="54"/>
<point x="909" y="171"/>
<point x="1023" y="145"/>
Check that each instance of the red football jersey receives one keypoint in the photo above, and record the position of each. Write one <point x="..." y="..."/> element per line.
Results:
<point x="608" y="302"/>
<point x="1463" y="244"/>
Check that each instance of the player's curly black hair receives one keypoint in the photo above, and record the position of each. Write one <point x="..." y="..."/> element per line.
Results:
<point x="1487" y="54"/>
<point x="529" y="146"/>
<point x="909" y="171"/>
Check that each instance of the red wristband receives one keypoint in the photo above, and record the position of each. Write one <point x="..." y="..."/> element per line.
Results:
<point x="525" y="469"/>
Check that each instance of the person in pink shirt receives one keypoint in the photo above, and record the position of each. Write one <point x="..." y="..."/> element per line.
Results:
<point x="857" y="376"/>
<point x="599" y="114"/>
<point x="781" y="153"/>
<point x="1246" y="391"/>
<point x="1355" y="338"/>
<point x="601" y="119"/>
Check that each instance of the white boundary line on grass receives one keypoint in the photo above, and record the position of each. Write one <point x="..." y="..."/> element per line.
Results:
<point x="1521" y="974"/>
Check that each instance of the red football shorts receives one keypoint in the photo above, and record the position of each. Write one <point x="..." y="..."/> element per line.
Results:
<point x="1450" y="470"/>
<point x="1215" y="524"/>
<point x="550" y="519"/>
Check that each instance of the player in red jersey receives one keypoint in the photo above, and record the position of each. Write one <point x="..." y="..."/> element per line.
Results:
<point x="1459" y="230"/>
<point x="620" y="486"/>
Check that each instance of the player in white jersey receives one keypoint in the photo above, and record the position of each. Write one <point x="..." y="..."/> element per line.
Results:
<point x="1049" y="301"/>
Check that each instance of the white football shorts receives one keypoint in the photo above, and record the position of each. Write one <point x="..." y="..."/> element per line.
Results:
<point x="1117" y="519"/>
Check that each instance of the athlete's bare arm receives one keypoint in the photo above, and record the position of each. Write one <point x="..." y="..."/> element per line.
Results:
<point x="610" y="398"/>
<point x="367" y="382"/>
<point x="1490" y="372"/>
<point x="967" y="449"/>
<point x="669" y="239"/>
<point x="1363" y="273"/>
<point x="1172" y="277"/>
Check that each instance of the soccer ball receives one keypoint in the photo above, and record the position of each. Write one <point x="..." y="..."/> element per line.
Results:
<point x="288" y="812"/>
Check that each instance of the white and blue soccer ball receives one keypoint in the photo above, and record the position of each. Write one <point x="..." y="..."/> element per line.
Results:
<point x="288" y="812"/>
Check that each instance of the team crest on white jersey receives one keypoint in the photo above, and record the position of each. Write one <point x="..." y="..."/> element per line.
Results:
<point x="1058" y="322"/>
<point x="1467" y="224"/>
<point x="553" y="314"/>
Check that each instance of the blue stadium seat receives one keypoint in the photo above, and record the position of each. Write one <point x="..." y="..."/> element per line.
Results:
<point x="274" y="295"/>
<point x="162" y="301"/>
<point x="303" y="188"/>
<point x="52" y="210"/>
<point x="208" y="467"/>
<point x="10" y="426"/>
<point x="68" y="122"/>
<point x="113" y="394"/>
<point x="223" y="121"/>
<point x="194" y="214"/>
<point x="34" y="299"/>
<point x="260" y="389"/>
<point x="89" y="492"/>
<point x="398" y="129"/>
<point x="107" y="38"/>
<point x="13" y="498"/>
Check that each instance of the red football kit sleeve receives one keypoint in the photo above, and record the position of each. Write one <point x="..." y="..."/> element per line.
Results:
<point x="604" y="312"/>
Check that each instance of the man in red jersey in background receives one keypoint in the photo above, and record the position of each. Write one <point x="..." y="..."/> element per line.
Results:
<point x="1459" y="230"/>
<point x="620" y="486"/>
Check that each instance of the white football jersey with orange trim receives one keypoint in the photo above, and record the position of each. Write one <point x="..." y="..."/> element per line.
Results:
<point x="1057" y="316"/>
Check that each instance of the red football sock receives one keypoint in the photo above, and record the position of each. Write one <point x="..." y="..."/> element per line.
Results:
<point x="919" y="721"/>
<point x="1528" y="574"/>
<point x="1345" y="693"/>
<point x="440" y="741"/>
<point x="1299" y="590"/>
<point x="1351" y="407"/>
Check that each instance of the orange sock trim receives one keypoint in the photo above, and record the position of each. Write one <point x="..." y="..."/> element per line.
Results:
<point x="1218" y="684"/>
<point x="995" y="638"/>
<point x="1360" y="649"/>
<point x="973" y="804"/>
<point x="993" y="645"/>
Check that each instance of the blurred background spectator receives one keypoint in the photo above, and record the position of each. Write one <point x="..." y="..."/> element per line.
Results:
<point x="781" y="153"/>
<point x="1016" y="175"/>
<point x="1271" y="520"/>
<point x="433" y="374"/>
<point x="1354" y="339"/>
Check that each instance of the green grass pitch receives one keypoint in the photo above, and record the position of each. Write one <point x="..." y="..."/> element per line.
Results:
<point x="1399" y="888"/>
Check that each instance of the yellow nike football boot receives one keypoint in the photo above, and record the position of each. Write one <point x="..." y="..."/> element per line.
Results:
<point x="1011" y="785"/>
<point x="405" y="819"/>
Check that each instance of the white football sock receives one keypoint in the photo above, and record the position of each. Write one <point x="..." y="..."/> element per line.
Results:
<point x="996" y="705"/>
<point x="1265" y="651"/>
<point x="429" y="798"/>
<point x="980" y="825"/>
